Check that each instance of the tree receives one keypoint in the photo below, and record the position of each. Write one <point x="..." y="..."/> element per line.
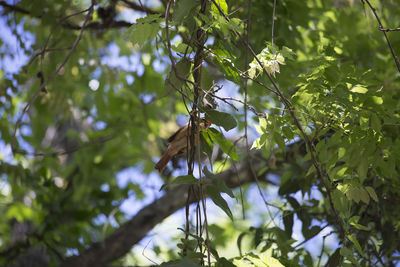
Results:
<point x="91" y="88"/>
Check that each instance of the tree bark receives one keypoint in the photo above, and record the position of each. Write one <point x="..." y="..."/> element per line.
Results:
<point x="124" y="238"/>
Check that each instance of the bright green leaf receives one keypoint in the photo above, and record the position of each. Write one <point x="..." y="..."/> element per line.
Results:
<point x="259" y="142"/>
<point x="222" y="4"/>
<point x="145" y="29"/>
<point x="359" y="89"/>
<point x="377" y="100"/>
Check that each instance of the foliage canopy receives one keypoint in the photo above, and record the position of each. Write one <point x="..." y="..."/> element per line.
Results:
<point x="305" y="105"/>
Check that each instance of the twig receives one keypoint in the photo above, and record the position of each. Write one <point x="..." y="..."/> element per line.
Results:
<point x="322" y="248"/>
<point x="240" y="72"/>
<point x="246" y="63"/>
<point x="137" y="7"/>
<point x="389" y="30"/>
<point x="381" y="28"/>
<point x="58" y="23"/>
<point x="250" y="159"/>
<point x="195" y="116"/>
<point x="35" y="95"/>
<point x="306" y="240"/>
<point x="171" y="57"/>
<point x="144" y="255"/>
<point x="187" y="229"/>
<point x="38" y="53"/>
<point x="14" y="8"/>
<point x="199" y="231"/>
<point x="272" y="30"/>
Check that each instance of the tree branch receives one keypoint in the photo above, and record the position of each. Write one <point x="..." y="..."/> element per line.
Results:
<point x="124" y="238"/>
<point x="14" y="8"/>
<point x="389" y="30"/>
<point x="137" y="7"/>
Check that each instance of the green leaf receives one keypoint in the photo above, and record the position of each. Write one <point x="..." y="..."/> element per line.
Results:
<point x="287" y="52"/>
<point x="362" y="169"/>
<point x="221" y="119"/>
<point x="174" y="81"/>
<point x="145" y="29"/>
<point x="215" y="196"/>
<point x="206" y="144"/>
<point x="360" y="227"/>
<point x="270" y="261"/>
<point x="359" y="89"/>
<point x="287" y="218"/>
<point x="372" y="193"/>
<point x="183" y="9"/>
<point x="223" y="262"/>
<point x="222" y="4"/>
<point x="258" y="235"/>
<point x="182" y="48"/>
<point x="219" y="183"/>
<point x="312" y="232"/>
<point x="186" y="262"/>
<point x="224" y="60"/>
<point x="354" y="222"/>
<point x="259" y="142"/>
<point x="377" y="100"/>
<point x="341" y="202"/>
<point x="348" y="253"/>
<point x="279" y="140"/>
<point x="225" y="145"/>
<point x="356" y="244"/>
<point x="334" y="259"/>
<point x="376" y="123"/>
<point x="21" y="212"/>
<point x="308" y="261"/>
<point x="364" y="196"/>
<point x="239" y="241"/>
<point x="257" y="261"/>
<point x="184" y="179"/>
<point x="288" y="132"/>
<point x="355" y="193"/>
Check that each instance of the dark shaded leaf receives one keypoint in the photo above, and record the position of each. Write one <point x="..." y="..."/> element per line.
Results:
<point x="287" y="218"/>
<point x="221" y="119"/>
<point x="185" y="179"/>
<point x="215" y="196"/>
<point x="335" y="259"/>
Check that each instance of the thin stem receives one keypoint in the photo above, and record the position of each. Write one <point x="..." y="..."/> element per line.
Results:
<point x="273" y="24"/>
<point x="381" y="28"/>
